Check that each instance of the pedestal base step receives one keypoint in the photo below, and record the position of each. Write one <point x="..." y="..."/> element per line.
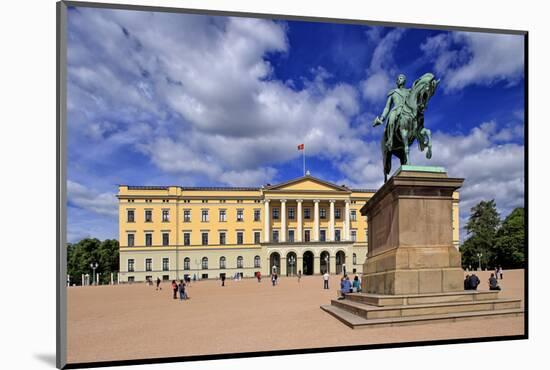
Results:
<point x="413" y="299"/>
<point x="357" y="322"/>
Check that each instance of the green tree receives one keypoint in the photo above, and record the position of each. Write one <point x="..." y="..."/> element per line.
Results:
<point x="86" y="251"/>
<point x="481" y="229"/>
<point x="509" y="249"/>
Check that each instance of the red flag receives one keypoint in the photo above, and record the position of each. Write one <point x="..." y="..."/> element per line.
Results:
<point x="301" y="147"/>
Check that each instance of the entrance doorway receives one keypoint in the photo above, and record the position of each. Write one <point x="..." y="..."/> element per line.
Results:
<point x="325" y="262"/>
<point x="291" y="264"/>
<point x="307" y="267"/>
<point x="274" y="263"/>
<point x="340" y="261"/>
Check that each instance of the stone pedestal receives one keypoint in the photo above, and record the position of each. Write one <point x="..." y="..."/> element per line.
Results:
<point x="410" y="234"/>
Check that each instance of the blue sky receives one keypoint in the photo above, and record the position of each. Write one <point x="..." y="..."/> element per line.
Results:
<point x="175" y="99"/>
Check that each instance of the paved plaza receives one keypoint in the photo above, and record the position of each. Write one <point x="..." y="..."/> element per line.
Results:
<point x="125" y="322"/>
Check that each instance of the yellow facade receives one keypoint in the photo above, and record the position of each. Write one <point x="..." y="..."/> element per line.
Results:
<point x="312" y="225"/>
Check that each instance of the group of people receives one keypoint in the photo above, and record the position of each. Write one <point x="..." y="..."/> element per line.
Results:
<point x="347" y="286"/>
<point x="471" y="282"/>
<point x="179" y="288"/>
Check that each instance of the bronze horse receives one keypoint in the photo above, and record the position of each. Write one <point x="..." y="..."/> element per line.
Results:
<point x="409" y="125"/>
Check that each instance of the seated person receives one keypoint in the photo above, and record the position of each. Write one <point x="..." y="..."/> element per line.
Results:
<point x="467" y="283"/>
<point x="345" y="287"/>
<point x="474" y="281"/>
<point x="356" y="286"/>
<point x="493" y="284"/>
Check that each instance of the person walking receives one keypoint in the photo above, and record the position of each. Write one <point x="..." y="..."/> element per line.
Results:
<point x="158" y="284"/>
<point x="273" y="279"/>
<point x="223" y="279"/>
<point x="496" y="272"/>
<point x="326" y="277"/>
<point x="299" y="275"/>
<point x="175" y="288"/>
<point x="500" y="271"/>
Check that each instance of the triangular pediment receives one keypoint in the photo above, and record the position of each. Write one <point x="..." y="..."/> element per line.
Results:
<point x="307" y="183"/>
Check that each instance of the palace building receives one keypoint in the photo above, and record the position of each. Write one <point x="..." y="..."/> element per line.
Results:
<point x="306" y="224"/>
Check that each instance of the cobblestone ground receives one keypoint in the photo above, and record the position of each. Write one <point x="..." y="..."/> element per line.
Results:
<point x="136" y="321"/>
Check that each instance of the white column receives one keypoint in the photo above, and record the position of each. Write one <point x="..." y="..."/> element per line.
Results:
<point x="299" y="237"/>
<point x="316" y="220"/>
<point x="346" y="223"/>
<point x="331" y="222"/>
<point x="266" y="221"/>
<point x="283" y="221"/>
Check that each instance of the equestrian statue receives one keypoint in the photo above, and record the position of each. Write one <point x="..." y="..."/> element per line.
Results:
<point x="404" y="113"/>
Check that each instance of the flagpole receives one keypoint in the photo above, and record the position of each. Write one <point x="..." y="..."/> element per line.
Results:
<point x="304" y="158"/>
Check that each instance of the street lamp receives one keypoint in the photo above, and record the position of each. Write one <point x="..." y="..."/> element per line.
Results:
<point x="291" y="261"/>
<point x="479" y="255"/>
<point x="94" y="265"/>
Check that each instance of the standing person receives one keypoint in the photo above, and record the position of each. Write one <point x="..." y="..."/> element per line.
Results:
<point x="276" y="279"/>
<point x="500" y="271"/>
<point x="181" y="288"/>
<point x="158" y="284"/>
<point x="223" y="279"/>
<point x="467" y="282"/>
<point x="299" y="275"/>
<point x="174" y="288"/>
<point x="272" y="279"/>
<point x="326" y="276"/>
<point x="259" y="276"/>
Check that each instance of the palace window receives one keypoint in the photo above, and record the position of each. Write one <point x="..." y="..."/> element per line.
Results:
<point x="204" y="238"/>
<point x="256" y="237"/>
<point x="186" y="215"/>
<point x="240" y="262"/>
<point x="307" y="235"/>
<point x="291" y="213"/>
<point x="131" y="240"/>
<point x="337" y="235"/>
<point x="239" y="237"/>
<point x="307" y="213"/>
<point x="165" y="264"/>
<point x="131" y="265"/>
<point x="148" y="239"/>
<point x="131" y="217"/>
<point x="275" y="236"/>
<point x="256" y="215"/>
<point x="187" y="263"/>
<point x="222" y="238"/>
<point x="240" y="216"/>
<point x="186" y="238"/>
<point x="337" y="212"/>
<point x="148" y="215"/>
<point x="257" y="262"/>
<point x="275" y="213"/>
<point x="323" y="213"/>
<point x="323" y="235"/>
<point x="131" y="279"/>
<point x="223" y="216"/>
<point x="353" y="215"/>
<point x="165" y="239"/>
<point x="205" y="263"/>
<point x="222" y="262"/>
<point x="354" y="259"/>
<point x="353" y="235"/>
<point x="205" y="200"/>
<point x="165" y="215"/>
<point x="204" y="215"/>
<point x="291" y="236"/>
<point x="148" y="264"/>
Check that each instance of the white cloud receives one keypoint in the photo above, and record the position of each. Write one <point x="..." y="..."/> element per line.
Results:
<point x="235" y="118"/>
<point x="469" y="58"/>
<point x="83" y="197"/>
<point x="382" y="70"/>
